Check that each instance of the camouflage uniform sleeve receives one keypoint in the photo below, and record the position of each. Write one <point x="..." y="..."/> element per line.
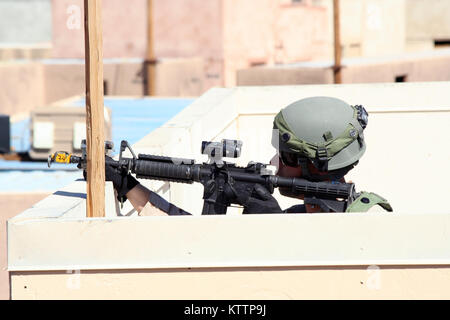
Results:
<point x="165" y="206"/>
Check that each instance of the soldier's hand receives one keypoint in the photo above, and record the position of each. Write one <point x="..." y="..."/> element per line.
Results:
<point x="259" y="201"/>
<point x="121" y="179"/>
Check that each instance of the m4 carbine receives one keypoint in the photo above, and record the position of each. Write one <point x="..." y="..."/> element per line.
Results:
<point x="224" y="183"/>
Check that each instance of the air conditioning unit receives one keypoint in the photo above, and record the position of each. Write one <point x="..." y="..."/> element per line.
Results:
<point x="60" y="129"/>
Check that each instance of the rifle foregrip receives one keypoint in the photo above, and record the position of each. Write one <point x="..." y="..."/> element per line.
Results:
<point x="321" y="189"/>
<point x="162" y="170"/>
<point x="317" y="189"/>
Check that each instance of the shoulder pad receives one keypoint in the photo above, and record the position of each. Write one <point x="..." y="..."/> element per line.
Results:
<point x="367" y="200"/>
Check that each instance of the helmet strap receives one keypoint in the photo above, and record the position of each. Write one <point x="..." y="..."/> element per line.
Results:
<point x="322" y="158"/>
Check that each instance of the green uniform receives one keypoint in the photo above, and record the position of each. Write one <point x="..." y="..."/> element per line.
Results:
<point x="366" y="200"/>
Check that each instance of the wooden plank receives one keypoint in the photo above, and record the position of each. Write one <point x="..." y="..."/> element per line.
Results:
<point x="95" y="135"/>
<point x="150" y="63"/>
<point x="337" y="43"/>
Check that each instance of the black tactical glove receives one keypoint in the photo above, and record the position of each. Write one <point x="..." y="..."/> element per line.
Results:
<point x="121" y="179"/>
<point x="259" y="201"/>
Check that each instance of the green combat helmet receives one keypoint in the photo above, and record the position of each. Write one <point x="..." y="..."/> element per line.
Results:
<point x="324" y="131"/>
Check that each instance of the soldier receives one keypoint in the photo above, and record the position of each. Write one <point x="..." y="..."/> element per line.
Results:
<point x="318" y="139"/>
<point x="321" y="139"/>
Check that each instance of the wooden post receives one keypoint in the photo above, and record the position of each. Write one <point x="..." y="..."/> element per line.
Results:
<point x="95" y="119"/>
<point x="337" y="43"/>
<point x="150" y="62"/>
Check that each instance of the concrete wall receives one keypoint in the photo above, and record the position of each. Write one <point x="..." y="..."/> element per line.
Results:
<point x="56" y="253"/>
<point x="226" y="35"/>
<point x="25" y="29"/>
<point x="415" y="67"/>
<point x="63" y="80"/>
<point x="300" y="32"/>
<point x="230" y="35"/>
<point x="180" y="77"/>
<point x="426" y="21"/>
<point x="12" y="205"/>
<point x="25" y="22"/>
<point x="124" y="29"/>
<point x="268" y="32"/>
<point x="21" y="87"/>
<point x="182" y="30"/>
<point x="27" y="86"/>
<point x="288" y="75"/>
<point x="427" y="66"/>
<point x="368" y="27"/>
<point x="248" y="35"/>
<point x="308" y="283"/>
<point x="174" y="77"/>
<point x="188" y="29"/>
<point x="177" y="33"/>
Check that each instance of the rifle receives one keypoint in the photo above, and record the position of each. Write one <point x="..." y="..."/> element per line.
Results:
<point x="222" y="181"/>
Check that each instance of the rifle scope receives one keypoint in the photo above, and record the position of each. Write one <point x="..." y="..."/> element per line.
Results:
<point x="226" y="148"/>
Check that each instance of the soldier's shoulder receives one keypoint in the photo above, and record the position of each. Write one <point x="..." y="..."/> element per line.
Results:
<point x="365" y="201"/>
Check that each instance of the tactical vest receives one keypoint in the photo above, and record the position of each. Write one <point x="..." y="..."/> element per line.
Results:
<point x="367" y="200"/>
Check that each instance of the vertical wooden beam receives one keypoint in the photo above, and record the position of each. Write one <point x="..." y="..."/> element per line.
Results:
<point x="337" y="43"/>
<point x="95" y="133"/>
<point x="150" y="61"/>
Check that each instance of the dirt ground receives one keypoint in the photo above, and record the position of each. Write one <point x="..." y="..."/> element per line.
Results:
<point x="11" y="205"/>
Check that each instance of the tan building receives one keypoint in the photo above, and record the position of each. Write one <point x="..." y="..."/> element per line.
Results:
<point x="409" y="67"/>
<point x="367" y="27"/>
<point x="202" y="44"/>
<point x="389" y="27"/>
<point x="381" y="41"/>
<point x="427" y="24"/>
<point x="227" y="34"/>
<point x="197" y="44"/>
